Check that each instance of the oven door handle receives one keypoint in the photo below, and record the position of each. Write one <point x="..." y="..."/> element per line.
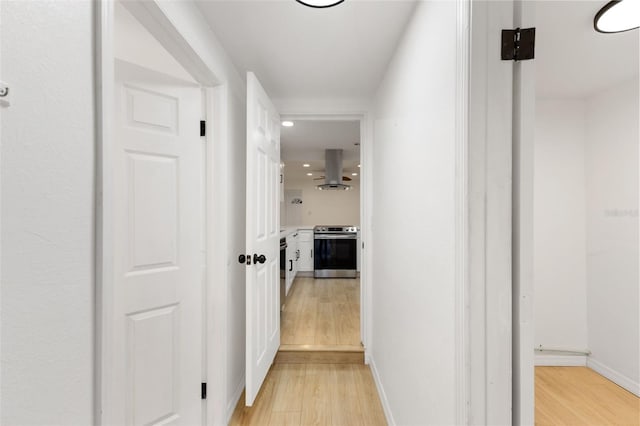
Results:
<point x="335" y="237"/>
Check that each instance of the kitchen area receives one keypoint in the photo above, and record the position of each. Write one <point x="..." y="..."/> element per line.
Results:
<point x="320" y="234"/>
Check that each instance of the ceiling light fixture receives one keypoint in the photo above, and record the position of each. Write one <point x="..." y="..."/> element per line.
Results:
<point x="358" y="165"/>
<point x="309" y="174"/>
<point x="618" y="16"/>
<point x="354" y="174"/>
<point x="287" y="123"/>
<point x="320" y="4"/>
<point x="306" y="165"/>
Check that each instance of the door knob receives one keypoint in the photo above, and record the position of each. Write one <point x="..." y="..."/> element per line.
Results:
<point x="259" y="259"/>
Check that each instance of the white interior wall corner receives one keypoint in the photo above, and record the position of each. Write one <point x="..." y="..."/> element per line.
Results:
<point x="612" y="230"/>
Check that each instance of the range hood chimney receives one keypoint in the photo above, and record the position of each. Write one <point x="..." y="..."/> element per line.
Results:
<point x="333" y="171"/>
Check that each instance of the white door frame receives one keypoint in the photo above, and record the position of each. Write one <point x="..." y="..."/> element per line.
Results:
<point x="500" y="234"/>
<point x="366" y="149"/>
<point x="152" y="17"/>
<point x="490" y="206"/>
<point x="523" y="158"/>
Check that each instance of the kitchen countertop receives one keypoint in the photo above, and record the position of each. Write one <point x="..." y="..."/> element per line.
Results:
<point x="285" y="231"/>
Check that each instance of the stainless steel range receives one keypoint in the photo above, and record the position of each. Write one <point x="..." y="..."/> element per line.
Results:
<point x="335" y="251"/>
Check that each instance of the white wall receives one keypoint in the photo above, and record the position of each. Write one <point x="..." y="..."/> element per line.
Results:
<point x="48" y="146"/>
<point x="560" y="299"/>
<point x="322" y="207"/>
<point x="133" y="43"/>
<point x="412" y="348"/>
<point x="586" y="229"/>
<point x="612" y="230"/>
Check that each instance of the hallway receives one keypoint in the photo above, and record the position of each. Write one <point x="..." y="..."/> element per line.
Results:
<point x="335" y="388"/>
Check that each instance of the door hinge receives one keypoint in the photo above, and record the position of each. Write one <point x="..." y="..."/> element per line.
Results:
<point x="203" y="128"/>
<point x="518" y="44"/>
<point x="203" y="391"/>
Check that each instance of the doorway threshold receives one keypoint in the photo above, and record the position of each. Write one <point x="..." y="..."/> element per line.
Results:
<point x="320" y="354"/>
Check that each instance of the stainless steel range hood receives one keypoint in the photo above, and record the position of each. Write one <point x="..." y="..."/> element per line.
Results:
<point x="333" y="171"/>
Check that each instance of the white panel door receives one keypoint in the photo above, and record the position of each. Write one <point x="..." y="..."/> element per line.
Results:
<point x="157" y="356"/>
<point x="263" y="236"/>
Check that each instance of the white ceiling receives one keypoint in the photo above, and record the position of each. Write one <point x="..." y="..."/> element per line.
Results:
<point x="572" y="59"/>
<point x="300" y="52"/>
<point x="307" y="140"/>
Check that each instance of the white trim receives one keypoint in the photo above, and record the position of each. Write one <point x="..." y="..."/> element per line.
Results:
<point x="382" y="394"/>
<point x="233" y="402"/>
<point x="462" y="371"/>
<point x="217" y="270"/>
<point x="522" y="225"/>
<point x="2" y="107"/>
<point x="560" y="360"/>
<point x="152" y="15"/>
<point x="490" y="205"/>
<point x="366" y="219"/>
<point x="105" y="81"/>
<point x="615" y="376"/>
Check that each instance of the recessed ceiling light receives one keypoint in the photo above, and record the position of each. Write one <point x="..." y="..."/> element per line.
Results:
<point x="309" y="174"/>
<point x="287" y="123"/>
<point x="320" y="3"/>
<point x="618" y="16"/>
<point x="354" y="174"/>
<point x="358" y="165"/>
<point x="306" y="165"/>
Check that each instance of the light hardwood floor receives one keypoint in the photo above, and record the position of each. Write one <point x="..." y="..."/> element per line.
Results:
<point x="322" y="312"/>
<point x="314" y="394"/>
<point x="580" y="396"/>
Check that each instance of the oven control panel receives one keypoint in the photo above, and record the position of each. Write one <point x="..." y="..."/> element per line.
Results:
<point x="335" y="229"/>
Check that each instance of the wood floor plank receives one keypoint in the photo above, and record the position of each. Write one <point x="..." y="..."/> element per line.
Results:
<point x="285" y="418"/>
<point x="370" y="406"/>
<point x="326" y="332"/>
<point x="316" y="394"/>
<point x="347" y="327"/>
<point x="345" y="404"/>
<point x="260" y="412"/>
<point x="288" y="391"/>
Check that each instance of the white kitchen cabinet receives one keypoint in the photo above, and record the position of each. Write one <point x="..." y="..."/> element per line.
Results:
<point x="281" y="182"/>
<point x="305" y="247"/>
<point x="292" y="260"/>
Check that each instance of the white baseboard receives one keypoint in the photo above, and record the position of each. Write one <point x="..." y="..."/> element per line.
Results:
<point x="381" y="393"/>
<point x="233" y="402"/>
<point x="616" y="377"/>
<point x="560" y="360"/>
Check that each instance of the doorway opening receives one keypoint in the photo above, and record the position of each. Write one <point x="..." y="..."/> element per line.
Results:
<point x="320" y="218"/>
<point x="584" y="218"/>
